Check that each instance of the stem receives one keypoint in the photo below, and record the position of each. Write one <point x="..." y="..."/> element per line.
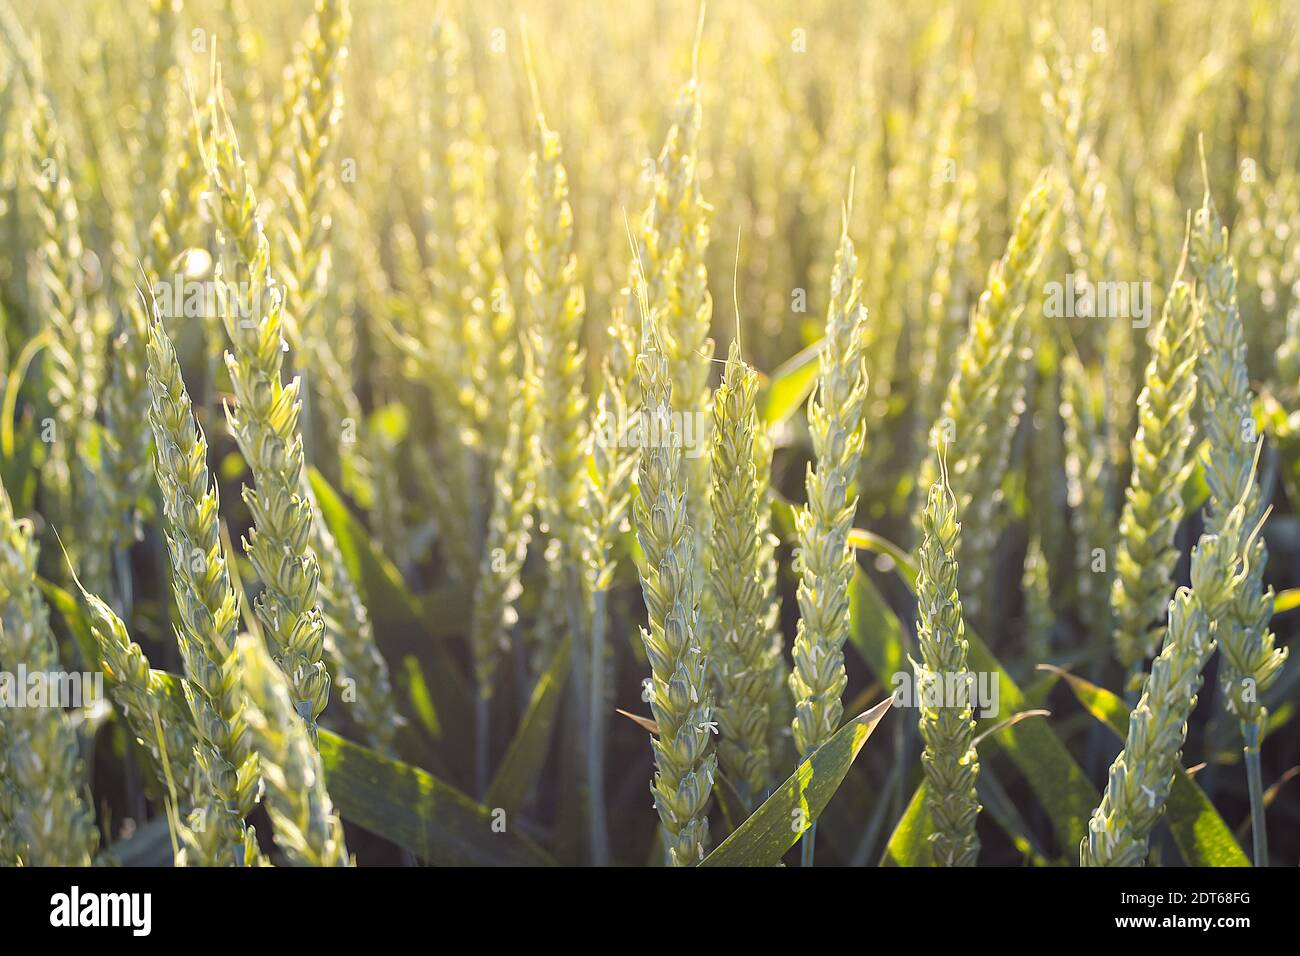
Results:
<point x="481" y="736"/>
<point x="897" y="799"/>
<point x="582" y="698"/>
<point x="595" y="736"/>
<point x="122" y="571"/>
<point x="867" y="844"/>
<point x="807" y="841"/>
<point x="523" y="677"/>
<point x="1258" y="830"/>
<point x="210" y="403"/>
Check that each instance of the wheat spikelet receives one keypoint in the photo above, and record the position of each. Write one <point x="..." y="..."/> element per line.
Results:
<point x="60" y="292"/>
<point x="950" y="227"/>
<point x="1040" y="619"/>
<point x="307" y="220"/>
<point x="1142" y="774"/>
<point x="350" y="641"/>
<point x="779" y="703"/>
<point x="614" y="459"/>
<point x="473" y="307"/>
<point x="497" y="585"/>
<point x="307" y="229"/>
<point x="669" y="260"/>
<point x="154" y="144"/>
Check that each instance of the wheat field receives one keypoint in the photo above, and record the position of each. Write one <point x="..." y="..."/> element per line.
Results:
<point x="531" y="433"/>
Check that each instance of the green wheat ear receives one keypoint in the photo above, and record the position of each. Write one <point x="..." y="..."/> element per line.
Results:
<point x="680" y="698"/>
<point x="265" y="421"/>
<point x="836" y="419"/>
<point x="1251" y="659"/>
<point x="670" y="260"/>
<point x="1140" y="777"/>
<point x="350" y="641"/>
<point x="497" y="586"/>
<point x="73" y="311"/>
<point x="207" y="613"/>
<point x="981" y="408"/>
<point x="741" y="645"/>
<point x="126" y="439"/>
<point x="554" y="329"/>
<point x="46" y="818"/>
<point x="306" y="827"/>
<point x="1161" y="451"/>
<point x="141" y="697"/>
<point x="950" y="761"/>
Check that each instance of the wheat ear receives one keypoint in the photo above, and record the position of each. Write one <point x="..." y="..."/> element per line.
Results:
<point x="264" y="420"/>
<point x="981" y="408"/>
<point x="49" y="823"/>
<point x="208" y="615"/>
<point x="1161" y="451"/>
<point x="741" y="642"/>
<point x="948" y="728"/>
<point x="1140" y="777"/>
<point x="826" y="561"/>
<point x="142" y="699"/>
<point x="302" y="815"/>
<point x="679" y="694"/>
<point x="1252" y="661"/>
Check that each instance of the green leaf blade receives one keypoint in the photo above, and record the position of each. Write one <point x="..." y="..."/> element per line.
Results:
<point x="770" y="831"/>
